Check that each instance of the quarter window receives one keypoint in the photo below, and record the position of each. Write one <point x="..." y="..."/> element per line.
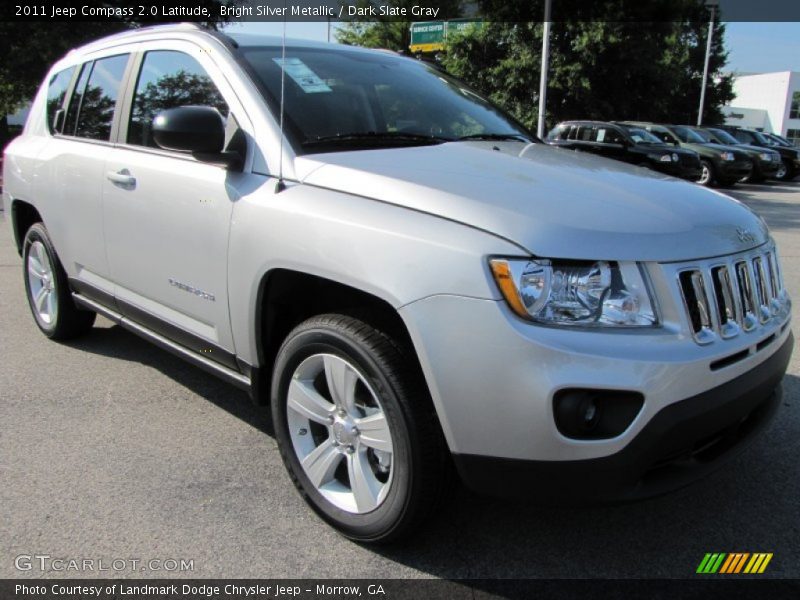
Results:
<point x="56" y="92"/>
<point x="169" y="79"/>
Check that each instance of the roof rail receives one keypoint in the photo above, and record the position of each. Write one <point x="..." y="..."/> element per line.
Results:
<point x="136" y="31"/>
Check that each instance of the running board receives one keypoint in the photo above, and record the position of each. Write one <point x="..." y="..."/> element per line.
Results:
<point x="221" y="371"/>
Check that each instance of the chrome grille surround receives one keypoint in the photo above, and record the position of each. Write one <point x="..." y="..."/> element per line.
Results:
<point x="724" y="297"/>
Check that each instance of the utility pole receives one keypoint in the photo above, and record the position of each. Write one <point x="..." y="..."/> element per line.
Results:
<point x="712" y="5"/>
<point x="545" y="64"/>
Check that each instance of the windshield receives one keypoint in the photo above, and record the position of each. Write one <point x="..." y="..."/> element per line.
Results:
<point x="687" y="135"/>
<point x="343" y="99"/>
<point x="640" y="136"/>
<point x="724" y="137"/>
<point x="707" y="137"/>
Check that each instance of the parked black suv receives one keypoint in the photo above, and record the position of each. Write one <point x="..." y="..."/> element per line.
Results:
<point x="628" y="144"/>
<point x="766" y="161"/>
<point x="722" y="165"/>
<point x="790" y="157"/>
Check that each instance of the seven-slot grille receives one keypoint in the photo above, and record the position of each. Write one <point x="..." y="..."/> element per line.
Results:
<point x="734" y="295"/>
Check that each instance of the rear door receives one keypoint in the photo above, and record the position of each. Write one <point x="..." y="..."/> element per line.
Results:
<point x="73" y="164"/>
<point x="167" y="215"/>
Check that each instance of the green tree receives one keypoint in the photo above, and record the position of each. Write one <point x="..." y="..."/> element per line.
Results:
<point x="604" y="65"/>
<point x="29" y="48"/>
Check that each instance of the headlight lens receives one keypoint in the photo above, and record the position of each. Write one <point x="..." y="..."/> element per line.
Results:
<point x="765" y="156"/>
<point x="576" y="293"/>
<point x="665" y="158"/>
<point x="728" y="156"/>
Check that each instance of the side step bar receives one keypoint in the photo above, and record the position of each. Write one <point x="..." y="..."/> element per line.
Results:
<point x="221" y="371"/>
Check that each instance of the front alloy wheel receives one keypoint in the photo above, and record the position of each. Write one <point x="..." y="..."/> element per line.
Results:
<point x="356" y="427"/>
<point x="782" y="171"/>
<point x="707" y="174"/>
<point x="340" y="433"/>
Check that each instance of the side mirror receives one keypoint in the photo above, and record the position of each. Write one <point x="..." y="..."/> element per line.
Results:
<point x="198" y="130"/>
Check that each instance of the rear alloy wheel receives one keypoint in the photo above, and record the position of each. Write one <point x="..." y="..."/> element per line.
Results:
<point x="48" y="291"/>
<point x="707" y="174"/>
<point x="356" y="428"/>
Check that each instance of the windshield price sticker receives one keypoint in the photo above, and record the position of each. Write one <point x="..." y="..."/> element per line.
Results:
<point x="309" y="81"/>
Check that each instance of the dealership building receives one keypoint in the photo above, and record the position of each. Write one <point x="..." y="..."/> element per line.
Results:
<point x="768" y="102"/>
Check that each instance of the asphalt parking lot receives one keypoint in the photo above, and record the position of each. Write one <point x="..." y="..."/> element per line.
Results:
<point x="111" y="448"/>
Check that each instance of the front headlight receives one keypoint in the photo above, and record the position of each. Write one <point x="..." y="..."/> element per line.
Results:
<point x="728" y="156"/>
<point x="665" y="158"/>
<point x="765" y="157"/>
<point x="576" y="293"/>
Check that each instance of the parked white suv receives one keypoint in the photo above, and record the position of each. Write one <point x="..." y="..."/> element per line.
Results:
<point x="410" y="278"/>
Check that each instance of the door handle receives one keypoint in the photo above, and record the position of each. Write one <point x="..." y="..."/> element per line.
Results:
<point x="122" y="177"/>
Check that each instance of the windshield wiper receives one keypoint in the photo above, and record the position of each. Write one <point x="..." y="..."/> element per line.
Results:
<point x="377" y="136"/>
<point x="495" y="137"/>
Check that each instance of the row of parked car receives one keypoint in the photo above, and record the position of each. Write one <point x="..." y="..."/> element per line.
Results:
<point x="721" y="155"/>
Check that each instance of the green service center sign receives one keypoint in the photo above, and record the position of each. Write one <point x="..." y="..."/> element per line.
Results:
<point x="429" y="36"/>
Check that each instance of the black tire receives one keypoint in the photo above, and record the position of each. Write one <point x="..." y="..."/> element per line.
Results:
<point x="785" y="174"/>
<point x="68" y="321"/>
<point x="422" y="471"/>
<point x="709" y="175"/>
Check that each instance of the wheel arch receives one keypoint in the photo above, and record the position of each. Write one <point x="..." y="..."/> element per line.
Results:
<point x="23" y="215"/>
<point x="288" y="297"/>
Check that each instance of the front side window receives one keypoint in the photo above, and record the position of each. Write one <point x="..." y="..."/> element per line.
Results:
<point x="99" y="98"/>
<point x="341" y="99"/>
<point x="607" y="135"/>
<point x="794" y="111"/>
<point x="169" y="79"/>
<point x="56" y="91"/>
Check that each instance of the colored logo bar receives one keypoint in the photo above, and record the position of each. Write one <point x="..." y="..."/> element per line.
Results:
<point x="734" y="563"/>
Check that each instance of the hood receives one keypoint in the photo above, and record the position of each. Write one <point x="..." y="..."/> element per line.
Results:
<point x="552" y="202"/>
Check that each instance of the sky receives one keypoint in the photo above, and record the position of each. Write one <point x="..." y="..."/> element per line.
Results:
<point x="752" y="47"/>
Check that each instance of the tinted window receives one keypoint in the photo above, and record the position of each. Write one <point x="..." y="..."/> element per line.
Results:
<point x="169" y="79"/>
<point x="723" y="137"/>
<point x="559" y="133"/>
<point x="96" y="112"/>
<point x="56" y="92"/>
<point x="585" y="133"/>
<point x="606" y="135"/>
<point x="687" y="135"/>
<point x="663" y="135"/>
<point x="744" y="136"/>
<point x="76" y="99"/>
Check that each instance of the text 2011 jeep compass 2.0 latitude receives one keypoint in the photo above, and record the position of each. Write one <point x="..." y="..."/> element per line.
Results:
<point x="416" y="284"/>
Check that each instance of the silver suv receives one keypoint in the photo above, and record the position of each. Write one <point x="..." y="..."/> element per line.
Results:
<point x="417" y="285"/>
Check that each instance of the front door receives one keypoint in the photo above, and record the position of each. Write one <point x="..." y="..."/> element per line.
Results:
<point x="167" y="215"/>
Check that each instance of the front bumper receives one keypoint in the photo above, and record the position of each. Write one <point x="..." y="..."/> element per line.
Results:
<point x="493" y="378"/>
<point x="682" y="443"/>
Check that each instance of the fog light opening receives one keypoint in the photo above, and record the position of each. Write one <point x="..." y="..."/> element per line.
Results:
<point x="595" y="414"/>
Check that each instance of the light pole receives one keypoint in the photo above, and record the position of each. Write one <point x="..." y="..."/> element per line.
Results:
<point x="712" y="5"/>
<point x="545" y="64"/>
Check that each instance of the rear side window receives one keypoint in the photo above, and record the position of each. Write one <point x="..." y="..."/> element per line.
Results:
<point x="56" y="91"/>
<point x="169" y="79"/>
<point x="91" y="108"/>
